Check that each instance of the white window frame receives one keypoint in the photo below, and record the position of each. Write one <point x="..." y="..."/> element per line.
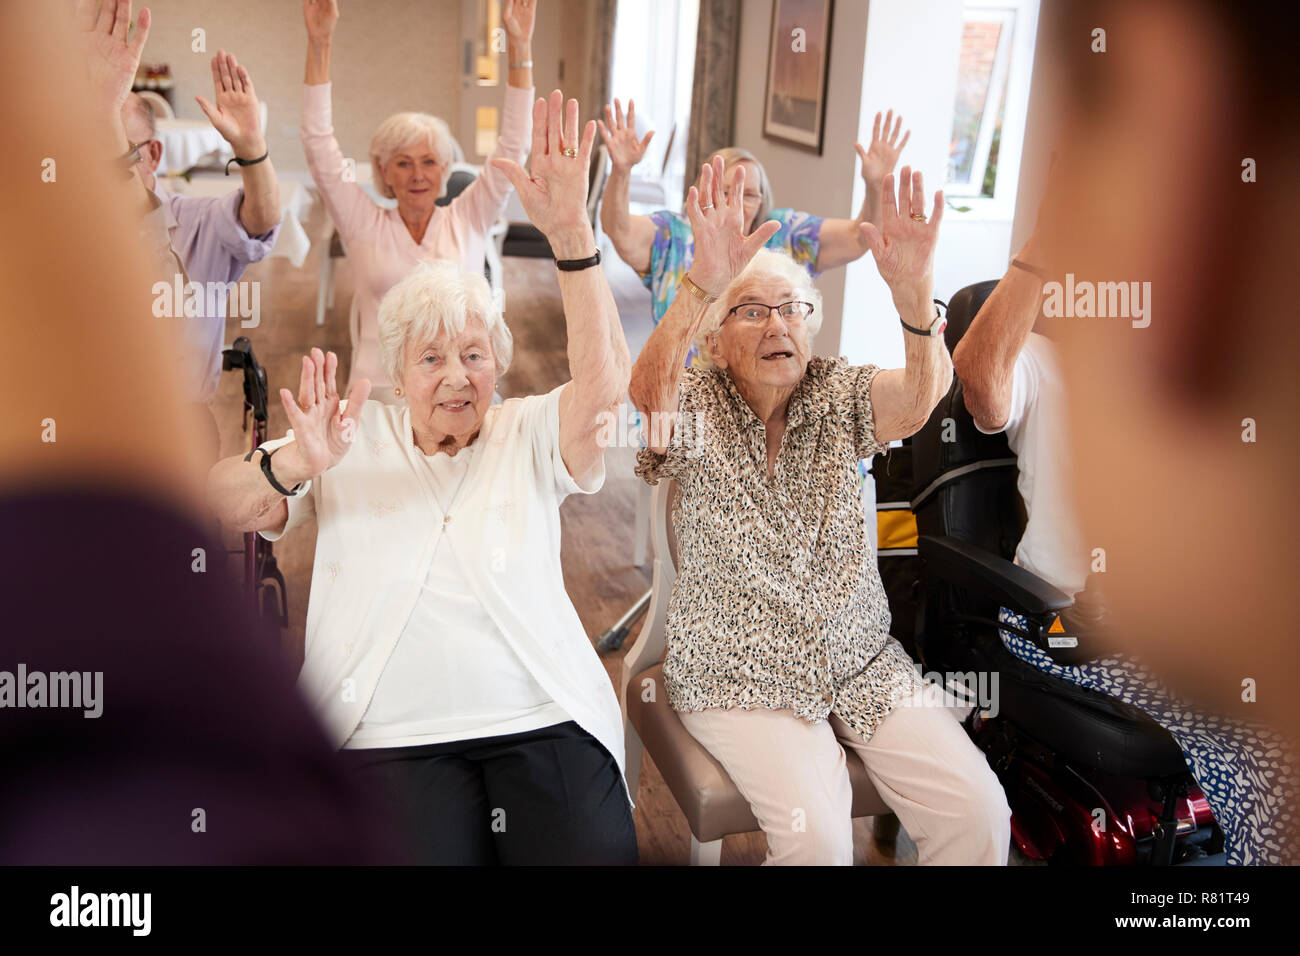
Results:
<point x="1013" y="69"/>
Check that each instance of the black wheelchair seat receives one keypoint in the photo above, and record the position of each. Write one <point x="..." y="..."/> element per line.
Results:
<point x="969" y="519"/>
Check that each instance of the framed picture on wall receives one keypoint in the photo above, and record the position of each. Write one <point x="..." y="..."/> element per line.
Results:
<point x="794" y="109"/>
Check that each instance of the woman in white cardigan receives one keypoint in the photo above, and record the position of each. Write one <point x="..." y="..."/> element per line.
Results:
<point x="442" y="650"/>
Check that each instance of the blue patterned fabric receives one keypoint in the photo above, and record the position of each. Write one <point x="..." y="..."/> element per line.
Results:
<point x="1245" y="770"/>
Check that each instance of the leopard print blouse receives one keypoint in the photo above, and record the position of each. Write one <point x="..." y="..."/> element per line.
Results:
<point x="778" y="601"/>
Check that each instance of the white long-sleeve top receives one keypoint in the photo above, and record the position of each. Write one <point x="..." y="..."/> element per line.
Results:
<point x="379" y="523"/>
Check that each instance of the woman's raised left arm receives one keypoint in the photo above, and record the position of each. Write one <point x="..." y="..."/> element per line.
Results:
<point x="555" y="197"/>
<point x="903" y="398"/>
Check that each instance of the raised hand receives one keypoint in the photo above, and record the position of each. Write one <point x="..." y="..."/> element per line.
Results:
<point x="619" y="137"/>
<point x="110" y="57"/>
<point x="555" y="195"/>
<point x="722" y="249"/>
<point x="904" y="249"/>
<point x="322" y="435"/>
<point x="321" y="16"/>
<point x="879" y="160"/>
<point x="518" y="18"/>
<point x="236" y="114"/>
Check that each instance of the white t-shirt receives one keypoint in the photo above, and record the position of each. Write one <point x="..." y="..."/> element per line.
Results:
<point x="453" y="674"/>
<point x="1051" y="546"/>
<point x="379" y="525"/>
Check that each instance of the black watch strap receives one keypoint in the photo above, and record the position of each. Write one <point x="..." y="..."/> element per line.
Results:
<point x="246" y="162"/>
<point x="928" y="333"/>
<point x="574" y="265"/>
<point x="266" y="470"/>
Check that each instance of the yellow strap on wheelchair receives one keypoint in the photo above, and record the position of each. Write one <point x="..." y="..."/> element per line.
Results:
<point x="895" y="529"/>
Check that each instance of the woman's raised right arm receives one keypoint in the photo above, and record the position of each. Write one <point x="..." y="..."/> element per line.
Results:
<point x="321" y="16"/>
<point x="335" y="177"/>
<point x="239" y="493"/>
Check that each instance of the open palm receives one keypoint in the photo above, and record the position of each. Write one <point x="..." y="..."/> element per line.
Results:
<point x="619" y="136"/>
<point x="555" y="195"/>
<point x="722" y="250"/>
<point x="109" y="56"/>
<point x="322" y="433"/>
<point x="904" y="247"/>
<point x="880" y="158"/>
<point x="236" y="114"/>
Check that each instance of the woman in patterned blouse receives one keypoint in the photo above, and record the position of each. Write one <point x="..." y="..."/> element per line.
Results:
<point x="659" y="246"/>
<point x="779" y="653"/>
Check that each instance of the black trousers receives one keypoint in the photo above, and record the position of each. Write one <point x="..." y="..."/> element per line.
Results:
<point x="548" y="796"/>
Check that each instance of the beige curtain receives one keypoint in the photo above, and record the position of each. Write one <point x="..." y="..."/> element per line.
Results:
<point x="713" y="96"/>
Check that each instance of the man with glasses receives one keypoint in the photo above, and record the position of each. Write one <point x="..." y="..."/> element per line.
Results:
<point x="215" y="239"/>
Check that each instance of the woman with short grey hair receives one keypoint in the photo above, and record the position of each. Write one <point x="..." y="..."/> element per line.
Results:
<point x="410" y="155"/>
<point x="442" y="650"/>
<point x="778" y="647"/>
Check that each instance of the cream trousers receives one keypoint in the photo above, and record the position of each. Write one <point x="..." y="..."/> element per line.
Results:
<point x="795" y="776"/>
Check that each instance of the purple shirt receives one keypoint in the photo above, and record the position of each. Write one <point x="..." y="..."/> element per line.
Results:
<point x="208" y="237"/>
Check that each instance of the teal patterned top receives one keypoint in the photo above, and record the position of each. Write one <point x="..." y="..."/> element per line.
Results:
<point x="674" y="249"/>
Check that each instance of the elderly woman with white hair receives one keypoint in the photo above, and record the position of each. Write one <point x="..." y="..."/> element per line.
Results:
<point x="659" y="246"/>
<point x="779" y="654"/>
<point x="409" y="155"/>
<point x="442" y="650"/>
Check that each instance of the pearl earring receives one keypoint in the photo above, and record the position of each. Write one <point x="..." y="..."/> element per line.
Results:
<point x="398" y="391"/>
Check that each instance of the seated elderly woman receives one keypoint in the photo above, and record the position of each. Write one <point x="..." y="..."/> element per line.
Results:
<point x="779" y="652"/>
<point x="442" y="650"/>
<point x="409" y="155"/>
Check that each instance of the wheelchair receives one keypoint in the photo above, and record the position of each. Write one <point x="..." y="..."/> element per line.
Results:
<point x="1090" y="779"/>
<point x="263" y="581"/>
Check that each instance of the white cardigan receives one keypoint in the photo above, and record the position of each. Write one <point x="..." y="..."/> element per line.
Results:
<point x="378" y="523"/>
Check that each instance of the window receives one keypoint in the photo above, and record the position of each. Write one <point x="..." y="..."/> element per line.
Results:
<point x="654" y="64"/>
<point x="997" y="52"/>
<point x="981" y="101"/>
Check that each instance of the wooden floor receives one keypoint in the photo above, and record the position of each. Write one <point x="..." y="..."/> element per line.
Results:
<point x="597" y="544"/>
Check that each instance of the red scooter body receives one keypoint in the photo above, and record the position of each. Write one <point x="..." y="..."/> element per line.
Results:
<point x="1080" y="817"/>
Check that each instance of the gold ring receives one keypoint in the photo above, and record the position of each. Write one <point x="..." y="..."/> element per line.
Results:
<point x="305" y="407"/>
<point x="918" y="217"/>
<point x="570" y="151"/>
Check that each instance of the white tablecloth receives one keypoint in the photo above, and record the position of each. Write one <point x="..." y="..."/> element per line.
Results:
<point x="186" y="142"/>
<point x="295" y="206"/>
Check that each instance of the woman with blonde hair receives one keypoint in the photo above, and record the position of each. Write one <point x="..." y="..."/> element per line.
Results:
<point x="409" y="154"/>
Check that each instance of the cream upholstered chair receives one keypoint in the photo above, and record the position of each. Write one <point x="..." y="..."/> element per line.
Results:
<point x="712" y="804"/>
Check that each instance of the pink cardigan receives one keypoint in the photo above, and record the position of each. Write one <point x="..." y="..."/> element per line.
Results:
<point x="380" y="249"/>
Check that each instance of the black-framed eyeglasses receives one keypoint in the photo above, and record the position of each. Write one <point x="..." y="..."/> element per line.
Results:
<point x="757" y="313"/>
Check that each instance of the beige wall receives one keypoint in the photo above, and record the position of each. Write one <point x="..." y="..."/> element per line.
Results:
<point x="389" y="55"/>
<point x="800" y="178"/>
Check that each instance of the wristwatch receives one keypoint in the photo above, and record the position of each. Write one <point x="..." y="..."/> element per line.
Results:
<point x="936" y="327"/>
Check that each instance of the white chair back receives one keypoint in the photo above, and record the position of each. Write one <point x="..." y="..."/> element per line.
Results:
<point x="161" y="108"/>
